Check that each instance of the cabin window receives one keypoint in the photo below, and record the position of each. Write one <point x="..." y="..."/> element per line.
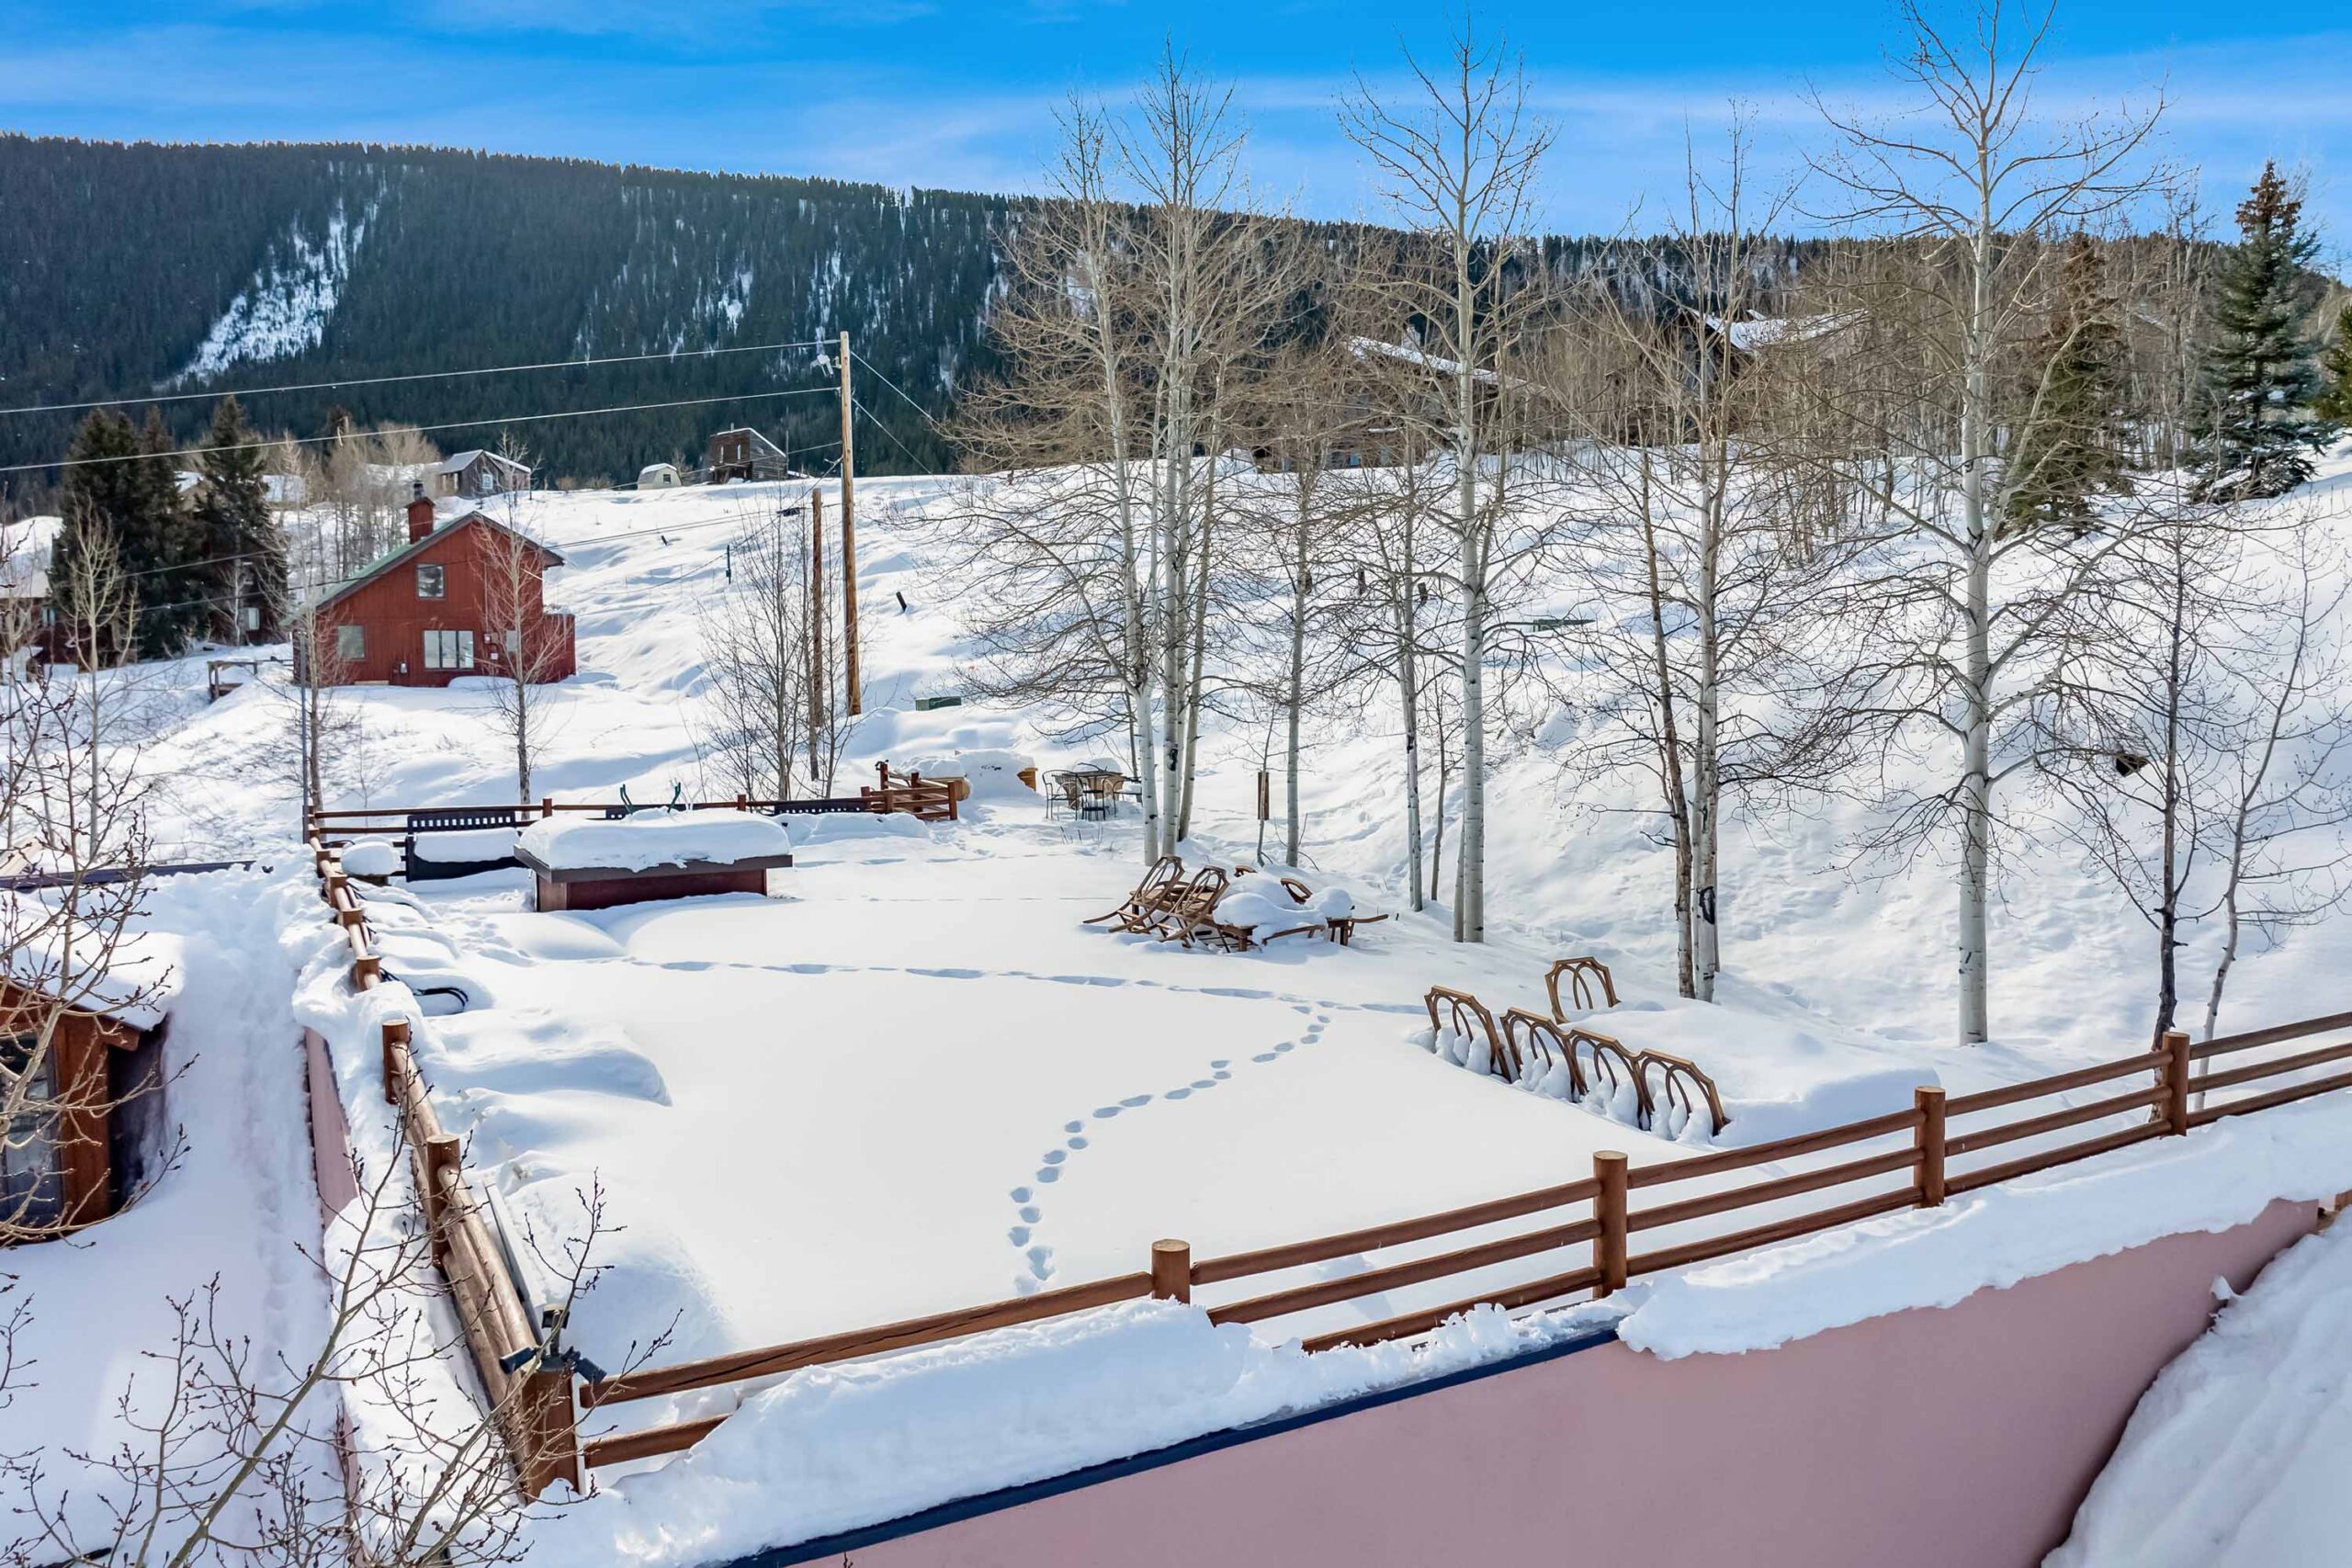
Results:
<point x="32" y="1184"/>
<point x="433" y="582"/>
<point x="448" y="650"/>
<point x="351" y="642"/>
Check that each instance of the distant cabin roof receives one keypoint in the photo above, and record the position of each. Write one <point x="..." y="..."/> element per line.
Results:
<point x="384" y="564"/>
<point x="465" y="459"/>
<point x="747" y="430"/>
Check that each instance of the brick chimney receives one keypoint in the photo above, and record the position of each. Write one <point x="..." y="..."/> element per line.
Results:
<point x="420" y="513"/>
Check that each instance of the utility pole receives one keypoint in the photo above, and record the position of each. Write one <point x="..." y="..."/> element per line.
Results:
<point x="849" y="542"/>
<point x="817" y="611"/>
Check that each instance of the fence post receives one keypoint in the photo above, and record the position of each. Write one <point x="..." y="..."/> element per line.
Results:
<point x="548" y="1431"/>
<point x="1927" y="1138"/>
<point x="2176" y="1065"/>
<point x="395" y="1046"/>
<point x="742" y="801"/>
<point x="547" y="806"/>
<point x="438" y="1154"/>
<point x="1608" y="1208"/>
<point x="1171" y="1271"/>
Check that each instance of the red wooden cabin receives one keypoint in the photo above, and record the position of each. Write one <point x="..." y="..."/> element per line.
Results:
<point x="436" y="609"/>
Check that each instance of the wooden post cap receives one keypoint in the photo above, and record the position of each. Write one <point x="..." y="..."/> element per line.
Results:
<point x="1171" y="1271"/>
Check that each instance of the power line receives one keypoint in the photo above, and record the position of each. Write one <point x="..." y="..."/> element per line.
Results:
<point x="419" y="429"/>
<point x="893" y="434"/>
<point x="386" y="380"/>
<point x="598" y="539"/>
<point x="896" y="388"/>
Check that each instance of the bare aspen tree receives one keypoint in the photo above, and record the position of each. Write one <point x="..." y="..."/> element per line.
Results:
<point x="1973" y="192"/>
<point x="73" y="808"/>
<point x="2285" y="796"/>
<point x="1700" y="580"/>
<point x="234" y="1452"/>
<point x="1207" y="287"/>
<point x="1457" y="160"/>
<point x="767" y="722"/>
<point x="1297" y="524"/>
<point x="1062" y="606"/>
<point x="520" y="651"/>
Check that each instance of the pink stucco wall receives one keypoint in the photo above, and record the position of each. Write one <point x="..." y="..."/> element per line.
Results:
<point x="1944" y="1438"/>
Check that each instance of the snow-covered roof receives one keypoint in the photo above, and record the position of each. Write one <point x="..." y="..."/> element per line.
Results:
<point x="653" y="838"/>
<point x="746" y="430"/>
<point x="134" y="985"/>
<point x="465" y="459"/>
<point x="1763" y="332"/>
<point x="383" y="564"/>
<point x="1361" y="347"/>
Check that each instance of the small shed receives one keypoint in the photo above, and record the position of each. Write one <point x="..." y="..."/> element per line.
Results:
<point x="658" y="476"/>
<point x="594" y="862"/>
<point x="72" y="1151"/>
<point x="743" y="453"/>
<point x="479" y="473"/>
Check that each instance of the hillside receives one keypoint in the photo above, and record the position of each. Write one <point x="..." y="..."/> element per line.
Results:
<point x="290" y="264"/>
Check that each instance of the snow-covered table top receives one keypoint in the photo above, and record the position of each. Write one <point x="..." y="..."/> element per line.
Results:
<point x="652" y="839"/>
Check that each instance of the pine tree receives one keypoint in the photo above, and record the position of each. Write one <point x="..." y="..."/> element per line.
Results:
<point x="102" y="497"/>
<point x="239" y="545"/>
<point x="160" y="547"/>
<point x="2071" y="408"/>
<point x="2334" y="401"/>
<point x="2255" y="425"/>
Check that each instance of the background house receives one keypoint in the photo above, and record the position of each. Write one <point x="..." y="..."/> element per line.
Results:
<point x="478" y="473"/>
<point x="744" y="454"/>
<point x="443" y="606"/>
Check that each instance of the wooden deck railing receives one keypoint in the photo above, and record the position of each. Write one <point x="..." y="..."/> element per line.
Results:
<point x="531" y="1405"/>
<point x="1916" y="1147"/>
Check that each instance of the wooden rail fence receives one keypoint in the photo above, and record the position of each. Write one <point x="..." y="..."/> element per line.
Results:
<point x="531" y="1404"/>
<point x="1903" y="1159"/>
<point x="933" y="800"/>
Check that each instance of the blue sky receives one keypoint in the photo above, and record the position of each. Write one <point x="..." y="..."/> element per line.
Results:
<point x="937" y="92"/>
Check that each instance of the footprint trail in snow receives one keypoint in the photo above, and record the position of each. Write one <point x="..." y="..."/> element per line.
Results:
<point x="1035" y="1270"/>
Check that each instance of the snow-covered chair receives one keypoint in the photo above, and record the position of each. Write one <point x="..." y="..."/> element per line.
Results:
<point x="1588" y="979"/>
<point x="1150" y="898"/>
<point x="1462" y="1029"/>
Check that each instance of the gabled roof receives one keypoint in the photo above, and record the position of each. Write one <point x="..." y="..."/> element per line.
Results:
<point x="772" y="448"/>
<point x="465" y="460"/>
<point x="415" y="548"/>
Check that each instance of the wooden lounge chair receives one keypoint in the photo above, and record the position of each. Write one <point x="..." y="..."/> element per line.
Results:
<point x="1459" y="1011"/>
<point x="1667" y="1082"/>
<point x="1150" y="898"/>
<point x="1189" y="913"/>
<point x="1588" y="985"/>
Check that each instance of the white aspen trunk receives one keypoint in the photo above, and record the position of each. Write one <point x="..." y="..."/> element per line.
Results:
<point x="1706" y="772"/>
<point x="1408" y="700"/>
<point x="1977" y="763"/>
<point x="1298" y="597"/>
<point x="1198" y="658"/>
<point x="1470" y="855"/>
<point x="1670" y="776"/>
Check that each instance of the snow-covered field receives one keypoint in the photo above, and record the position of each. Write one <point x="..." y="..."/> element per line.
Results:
<point x="911" y="1079"/>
